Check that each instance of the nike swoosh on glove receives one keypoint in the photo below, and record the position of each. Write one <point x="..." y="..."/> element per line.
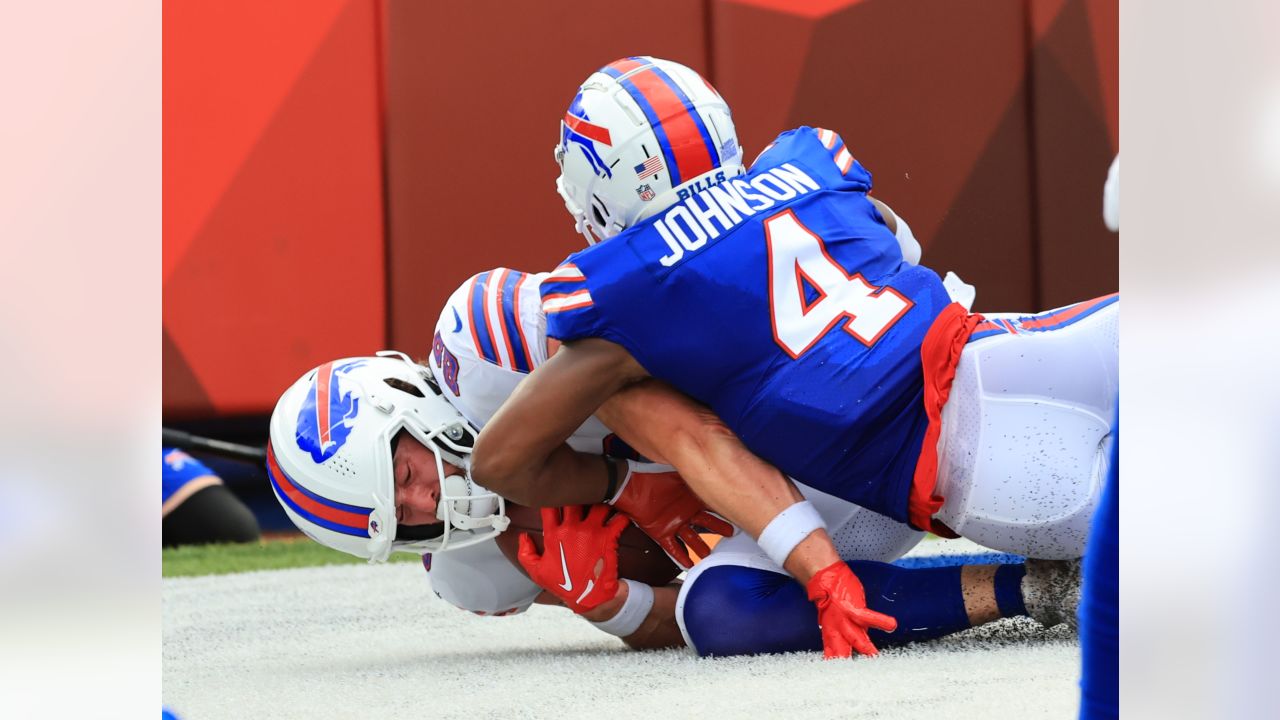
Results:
<point x="843" y="614"/>
<point x="663" y="506"/>
<point x="579" y="560"/>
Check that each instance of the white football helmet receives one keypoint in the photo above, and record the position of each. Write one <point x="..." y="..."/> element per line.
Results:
<point x="641" y="134"/>
<point x="329" y="458"/>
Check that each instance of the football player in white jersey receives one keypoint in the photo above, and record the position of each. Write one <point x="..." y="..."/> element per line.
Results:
<point x="489" y="336"/>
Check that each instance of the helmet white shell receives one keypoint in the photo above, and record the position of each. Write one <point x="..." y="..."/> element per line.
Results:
<point x="641" y="134"/>
<point x="330" y="464"/>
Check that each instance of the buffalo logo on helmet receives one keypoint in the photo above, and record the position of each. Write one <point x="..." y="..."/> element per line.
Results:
<point x="578" y="129"/>
<point x="327" y="413"/>
<point x="645" y="192"/>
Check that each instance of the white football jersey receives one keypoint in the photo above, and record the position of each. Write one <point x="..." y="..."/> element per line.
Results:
<point x="490" y="335"/>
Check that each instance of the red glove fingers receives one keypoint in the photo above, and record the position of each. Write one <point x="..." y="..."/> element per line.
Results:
<point x="574" y="547"/>
<point x="662" y="505"/>
<point x="675" y="549"/>
<point x="843" y="614"/>
<point x="693" y="541"/>
<point x="713" y="524"/>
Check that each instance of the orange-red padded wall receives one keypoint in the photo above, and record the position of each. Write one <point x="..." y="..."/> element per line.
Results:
<point x="476" y="91"/>
<point x="1076" y="130"/>
<point x="273" y="232"/>
<point x="929" y="95"/>
<point x="988" y="124"/>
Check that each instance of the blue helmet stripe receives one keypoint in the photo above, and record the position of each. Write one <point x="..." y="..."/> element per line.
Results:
<point x="712" y="150"/>
<point x="312" y="517"/>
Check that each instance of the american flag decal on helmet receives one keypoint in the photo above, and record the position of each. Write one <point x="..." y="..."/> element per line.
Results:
<point x="649" y="167"/>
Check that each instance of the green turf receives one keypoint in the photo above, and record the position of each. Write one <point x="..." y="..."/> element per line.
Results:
<point x="271" y="554"/>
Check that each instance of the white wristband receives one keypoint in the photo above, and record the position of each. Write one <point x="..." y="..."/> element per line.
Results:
<point x="785" y="531"/>
<point x="633" y="612"/>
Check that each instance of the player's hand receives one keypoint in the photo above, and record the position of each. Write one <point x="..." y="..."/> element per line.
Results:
<point x="579" y="562"/>
<point x="843" y="613"/>
<point x="664" y="507"/>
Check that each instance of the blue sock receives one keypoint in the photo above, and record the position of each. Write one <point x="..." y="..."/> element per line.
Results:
<point x="1009" y="590"/>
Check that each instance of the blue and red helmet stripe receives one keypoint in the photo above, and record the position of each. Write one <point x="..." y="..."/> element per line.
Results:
<point x="330" y="514"/>
<point x="671" y="113"/>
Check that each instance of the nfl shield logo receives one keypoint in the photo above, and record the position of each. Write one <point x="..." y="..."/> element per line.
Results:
<point x="645" y="192"/>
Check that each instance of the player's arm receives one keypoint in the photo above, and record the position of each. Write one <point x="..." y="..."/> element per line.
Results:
<point x="654" y="418"/>
<point x="662" y="423"/>
<point x="521" y="453"/>
<point x="668" y="426"/>
<point x="658" y="627"/>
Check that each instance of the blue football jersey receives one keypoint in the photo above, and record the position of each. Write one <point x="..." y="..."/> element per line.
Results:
<point x="179" y="469"/>
<point x="780" y="299"/>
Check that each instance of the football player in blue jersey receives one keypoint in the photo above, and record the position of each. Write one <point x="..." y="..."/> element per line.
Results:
<point x="197" y="507"/>
<point x="793" y="331"/>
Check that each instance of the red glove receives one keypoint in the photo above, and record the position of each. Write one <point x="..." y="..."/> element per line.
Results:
<point x="843" y="613"/>
<point x="579" y="563"/>
<point x="664" y="507"/>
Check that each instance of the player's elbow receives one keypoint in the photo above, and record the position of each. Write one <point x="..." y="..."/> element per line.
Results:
<point x="499" y="470"/>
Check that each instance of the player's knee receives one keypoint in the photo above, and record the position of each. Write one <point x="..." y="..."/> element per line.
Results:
<point x="736" y="610"/>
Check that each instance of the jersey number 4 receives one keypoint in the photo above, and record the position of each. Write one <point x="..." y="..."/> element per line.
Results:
<point x="809" y="293"/>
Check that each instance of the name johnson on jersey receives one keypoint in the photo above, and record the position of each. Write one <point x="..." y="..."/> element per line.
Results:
<point x="719" y="208"/>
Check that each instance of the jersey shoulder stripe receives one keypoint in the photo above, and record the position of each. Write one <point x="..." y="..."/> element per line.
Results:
<point x="834" y="144"/>
<point x="567" y="272"/>
<point x="493" y="305"/>
<point x="560" y="302"/>
<point x="509" y="301"/>
<point x="817" y="146"/>
<point x="568" y="290"/>
<point x="481" y="332"/>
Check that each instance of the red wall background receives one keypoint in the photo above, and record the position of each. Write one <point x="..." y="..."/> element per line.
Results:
<point x="335" y="168"/>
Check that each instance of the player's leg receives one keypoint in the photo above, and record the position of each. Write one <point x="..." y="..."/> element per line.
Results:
<point x="1027" y="429"/>
<point x="741" y="604"/>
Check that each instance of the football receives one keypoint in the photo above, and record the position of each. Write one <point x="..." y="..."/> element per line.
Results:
<point x="639" y="557"/>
